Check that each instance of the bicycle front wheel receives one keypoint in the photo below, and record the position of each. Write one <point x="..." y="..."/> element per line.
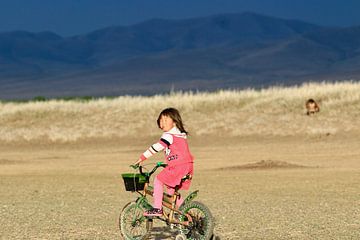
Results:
<point x="202" y="225"/>
<point x="132" y="223"/>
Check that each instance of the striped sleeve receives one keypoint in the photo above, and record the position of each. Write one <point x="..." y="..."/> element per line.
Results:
<point x="166" y="140"/>
<point x="156" y="147"/>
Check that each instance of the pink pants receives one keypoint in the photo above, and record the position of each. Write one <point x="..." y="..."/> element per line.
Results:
<point x="158" y="194"/>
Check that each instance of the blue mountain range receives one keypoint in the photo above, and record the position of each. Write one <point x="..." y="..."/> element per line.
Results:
<point x="216" y="52"/>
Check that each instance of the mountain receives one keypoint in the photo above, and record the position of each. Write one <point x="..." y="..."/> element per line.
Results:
<point x="221" y="51"/>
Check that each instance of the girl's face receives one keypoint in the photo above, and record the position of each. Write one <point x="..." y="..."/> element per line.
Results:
<point x="166" y="123"/>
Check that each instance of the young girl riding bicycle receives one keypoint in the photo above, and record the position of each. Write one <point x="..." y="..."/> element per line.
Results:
<point x="177" y="156"/>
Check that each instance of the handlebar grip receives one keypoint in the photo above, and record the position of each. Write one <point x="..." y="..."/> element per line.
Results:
<point x="134" y="166"/>
<point x="161" y="164"/>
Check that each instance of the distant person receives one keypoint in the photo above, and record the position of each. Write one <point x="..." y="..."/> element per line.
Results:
<point x="177" y="156"/>
<point x="311" y="107"/>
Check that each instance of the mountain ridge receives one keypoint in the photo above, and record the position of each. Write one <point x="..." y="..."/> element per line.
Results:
<point x="207" y="53"/>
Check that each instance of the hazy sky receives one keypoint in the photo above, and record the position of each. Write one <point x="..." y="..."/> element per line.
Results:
<point x="71" y="17"/>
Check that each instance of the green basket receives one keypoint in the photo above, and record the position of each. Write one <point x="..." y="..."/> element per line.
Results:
<point x="133" y="181"/>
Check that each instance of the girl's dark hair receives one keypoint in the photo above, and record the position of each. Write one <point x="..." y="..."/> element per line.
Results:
<point x="174" y="114"/>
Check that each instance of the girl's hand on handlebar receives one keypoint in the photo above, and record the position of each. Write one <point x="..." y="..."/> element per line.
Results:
<point x="135" y="166"/>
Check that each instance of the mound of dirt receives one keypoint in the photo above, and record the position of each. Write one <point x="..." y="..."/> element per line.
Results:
<point x="265" y="164"/>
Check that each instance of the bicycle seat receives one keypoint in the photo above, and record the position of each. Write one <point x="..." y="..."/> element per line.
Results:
<point x="186" y="177"/>
<point x="177" y="187"/>
<point x="183" y="179"/>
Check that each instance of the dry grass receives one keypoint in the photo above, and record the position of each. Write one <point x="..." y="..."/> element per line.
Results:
<point x="274" y="111"/>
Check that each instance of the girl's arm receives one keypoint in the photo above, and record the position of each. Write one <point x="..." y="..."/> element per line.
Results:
<point x="157" y="147"/>
<point x="165" y="141"/>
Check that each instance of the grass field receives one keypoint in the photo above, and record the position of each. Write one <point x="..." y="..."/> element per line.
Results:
<point x="265" y="169"/>
<point x="274" y="112"/>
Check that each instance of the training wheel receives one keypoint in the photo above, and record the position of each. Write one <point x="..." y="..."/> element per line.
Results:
<point x="180" y="237"/>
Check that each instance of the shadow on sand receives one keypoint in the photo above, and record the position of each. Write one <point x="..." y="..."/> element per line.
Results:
<point x="159" y="233"/>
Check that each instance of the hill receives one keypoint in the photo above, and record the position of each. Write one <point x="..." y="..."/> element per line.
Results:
<point x="221" y="51"/>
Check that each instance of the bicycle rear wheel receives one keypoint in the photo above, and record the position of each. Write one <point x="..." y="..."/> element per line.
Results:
<point x="132" y="223"/>
<point x="202" y="225"/>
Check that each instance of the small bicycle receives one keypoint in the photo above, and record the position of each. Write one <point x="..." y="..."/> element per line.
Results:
<point x="192" y="220"/>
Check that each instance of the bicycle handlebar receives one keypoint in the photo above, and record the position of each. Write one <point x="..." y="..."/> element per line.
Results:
<point x="135" y="166"/>
<point x="148" y="174"/>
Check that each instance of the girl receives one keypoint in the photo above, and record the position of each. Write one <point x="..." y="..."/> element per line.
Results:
<point x="177" y="156"/>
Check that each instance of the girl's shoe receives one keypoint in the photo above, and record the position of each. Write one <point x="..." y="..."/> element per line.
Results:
<point x="154" y="212"/>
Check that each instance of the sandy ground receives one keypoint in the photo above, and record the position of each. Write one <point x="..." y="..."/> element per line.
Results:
<point x="256" y="187"/>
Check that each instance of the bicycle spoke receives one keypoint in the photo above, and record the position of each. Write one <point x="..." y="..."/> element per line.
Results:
<point x="133" y="224"/>
<point x="201" y="225"/>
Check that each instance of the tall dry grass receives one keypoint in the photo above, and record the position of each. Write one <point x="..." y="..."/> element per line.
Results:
<point x="273" y="111"/>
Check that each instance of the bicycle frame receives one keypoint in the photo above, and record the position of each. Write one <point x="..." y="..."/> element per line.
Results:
<point x="169" y="201"/>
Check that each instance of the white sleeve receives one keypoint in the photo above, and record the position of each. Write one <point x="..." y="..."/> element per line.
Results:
<point x="156" y="147"/>
<point x="167" y="138"/>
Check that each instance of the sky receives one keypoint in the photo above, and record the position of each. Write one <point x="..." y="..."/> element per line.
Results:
<point x="73" y="17"/>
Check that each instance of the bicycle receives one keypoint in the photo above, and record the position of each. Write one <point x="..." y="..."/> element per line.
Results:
<point x="193" y="220"/>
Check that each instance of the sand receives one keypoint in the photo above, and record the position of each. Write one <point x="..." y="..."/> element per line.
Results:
<point x="257" y="187"/>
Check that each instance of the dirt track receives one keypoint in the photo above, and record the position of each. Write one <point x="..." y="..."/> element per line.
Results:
<point x="74" y="191"/>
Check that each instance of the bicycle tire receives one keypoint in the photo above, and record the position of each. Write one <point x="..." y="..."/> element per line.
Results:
<point x="203" y="223"/>
<point x="132" y="223"/>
